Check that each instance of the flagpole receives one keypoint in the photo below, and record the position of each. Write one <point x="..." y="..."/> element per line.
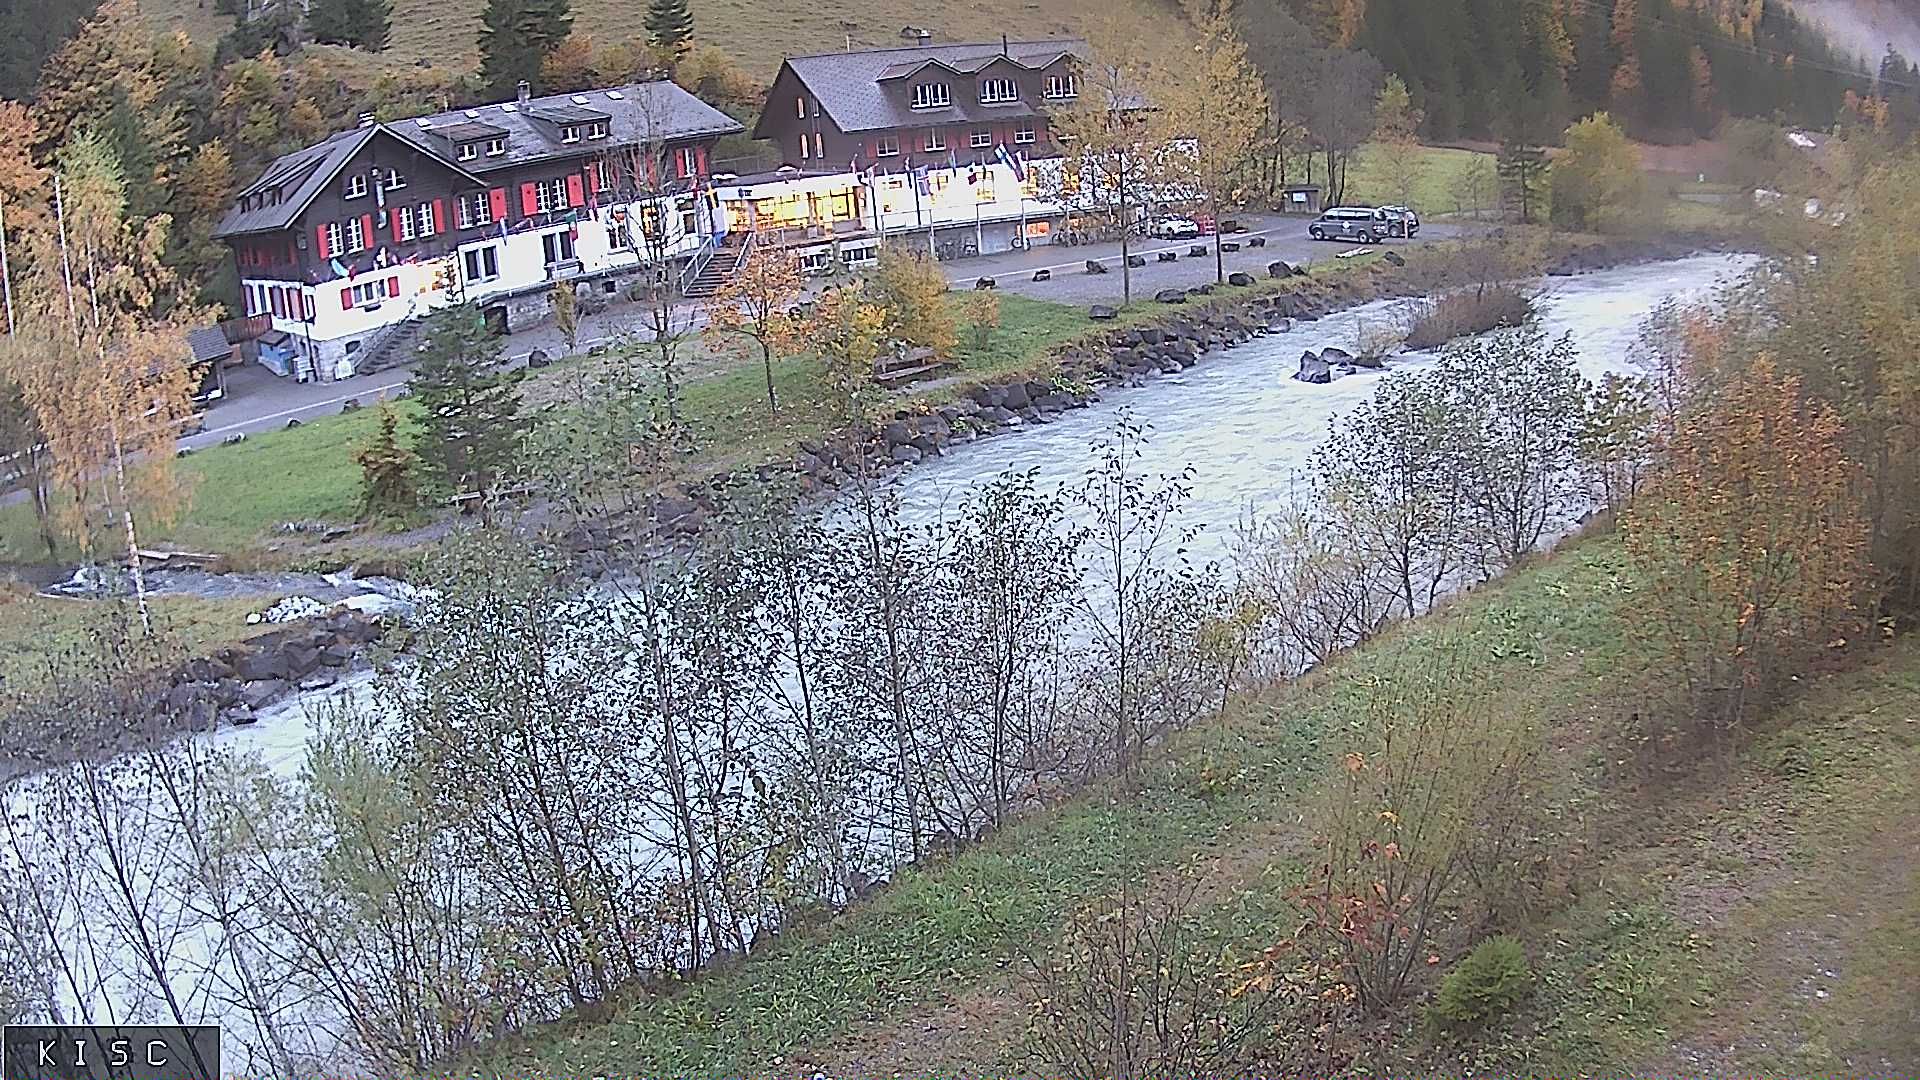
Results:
<point x="6" y="273"/>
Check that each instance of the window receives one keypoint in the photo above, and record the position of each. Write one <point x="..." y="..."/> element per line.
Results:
<point x="806" y="148"/>
<point x="426" y="219"/>
<point x="333" y="241"/>
<point x="496" y="146"/>
<point x="356" y="187"/>
<point x="570" y="133"/>
<point x="550" y="195"/>
<point x="935" y="140"/>
<point x="931" y="95"/>
<point x="980" y="138"/>
<point x="800" y="107"/>
<point x="403" y="222"/>
<point x="474" y="210"/>
<point x="356" y="236"/>
<point x="483" y="263"/>
<point x="1062" y="86"/>
<point x="558" y="246"/>
<point x="597" y="129"/>
<point x="993" y="91"/>
<point x="469" y="151"/>
<point x="886" y="146"/>
<point x="395" y="180"/>
<point x="603" y="175"/>
<point x="619" y="236"/>
<point x="369" y="294"/>
<point x="1024" y="133"/>
<point x="819" y="145"/>
<point x="690" y="160"/>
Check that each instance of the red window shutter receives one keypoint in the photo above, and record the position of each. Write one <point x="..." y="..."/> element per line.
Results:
<point x="439" y="215"/>
<point x="393" y="286"/>
<point x="396" y="226"/>
<point x="279" y="302"/>
<point x="320" y="231"/>
<point x="529" y="202"/>
<point x="593" y="178"/>
<point x="497" y="203"/>
<point x="346" y="298"/>
<point x="700" y="160"/>
<point x="576" y="196"/>
<point x="366" y="229"/>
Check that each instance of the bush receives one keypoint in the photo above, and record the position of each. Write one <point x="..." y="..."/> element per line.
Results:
<point x="1465" y="313"/>
<point x="1483" y="986"/>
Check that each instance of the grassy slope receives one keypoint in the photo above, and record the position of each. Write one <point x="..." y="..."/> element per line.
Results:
<point x="758" y="33"/>
<point x="1707" y="911"/>
<point x="34" y="628"/>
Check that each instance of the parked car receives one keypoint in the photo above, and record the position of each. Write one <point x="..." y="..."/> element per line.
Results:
<point x="1402" y="221"/>
<point x="1173" y="228"/>
<point x="1365" y="224"/>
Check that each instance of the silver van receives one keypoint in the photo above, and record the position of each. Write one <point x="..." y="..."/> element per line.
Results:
<point x="1363" y="223"/>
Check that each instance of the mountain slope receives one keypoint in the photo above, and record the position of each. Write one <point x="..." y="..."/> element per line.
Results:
<point x="1867" y="27"/>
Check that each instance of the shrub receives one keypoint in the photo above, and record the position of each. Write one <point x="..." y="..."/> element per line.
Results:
<point x="1483" y="986"/>
<point x="1465" y="313"/>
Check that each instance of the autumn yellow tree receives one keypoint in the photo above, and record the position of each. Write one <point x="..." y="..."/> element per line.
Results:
<point x="843" y="333"/>
<point x="1217" y="96"/>
<point x="100" y="354"/>
<point x="910" y="288"/>
<point x="1397" y="163"/>
<point x="1748" y="544"/>
<point x="1597" y="182"/>
<point x="754" y="307"/>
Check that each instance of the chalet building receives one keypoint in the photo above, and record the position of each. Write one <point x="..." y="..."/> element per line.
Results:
<point x="925" y="139"/>
<point x="344" y="243"/>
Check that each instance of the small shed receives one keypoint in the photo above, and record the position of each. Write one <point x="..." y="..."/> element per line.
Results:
<point x="209" y="352"/>
<point x="277" y="352"/>
<point x="1299" y="199"/>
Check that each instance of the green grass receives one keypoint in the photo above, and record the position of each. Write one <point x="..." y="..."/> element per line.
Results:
<point x="1436" y="172"/>
<point x="34" y="628"/>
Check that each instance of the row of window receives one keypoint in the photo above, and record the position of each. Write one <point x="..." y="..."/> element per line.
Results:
<point x="938" y="95"/>
<point x="356" y="184"/>
<point x="357" y="234"/>
<point x="935" y="140"/>
<point x="283" y="301"/>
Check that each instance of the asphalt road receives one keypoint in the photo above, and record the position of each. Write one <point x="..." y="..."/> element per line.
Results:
<point x="257" y="400"/>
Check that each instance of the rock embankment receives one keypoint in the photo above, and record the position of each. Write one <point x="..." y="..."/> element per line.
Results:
<point x="233" y="685"/>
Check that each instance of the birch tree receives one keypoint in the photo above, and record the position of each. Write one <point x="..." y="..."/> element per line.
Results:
<point x="1218" y="101"/>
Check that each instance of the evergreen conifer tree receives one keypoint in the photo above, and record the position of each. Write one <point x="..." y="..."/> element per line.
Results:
<point x="363" y="24"/>
<point x="515" y="36"/>
<point x="470" y="409"/>
<point x="669" y="26"/>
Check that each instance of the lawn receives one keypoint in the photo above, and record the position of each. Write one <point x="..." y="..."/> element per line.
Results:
<point x="36" y="628"/>
<point x="1435" y="187"/>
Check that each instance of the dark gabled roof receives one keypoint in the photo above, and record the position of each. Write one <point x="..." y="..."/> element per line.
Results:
<point x="851" y="86"/>
<point x="208" y="343"/>
<point x="636" y="114"/>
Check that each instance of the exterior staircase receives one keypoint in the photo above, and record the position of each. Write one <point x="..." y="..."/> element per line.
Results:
<point x="392" y="346"/>
<point x="718" y="270"/>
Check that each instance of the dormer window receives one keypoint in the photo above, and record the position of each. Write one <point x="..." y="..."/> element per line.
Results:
<point x="597" y="129"/>
<point x="1062" y="87"/>
<point x="931" y="95"/>
<point x="356" y="187"/>
<point x="395" y="180"/>
<point x="496" y="147"/>
<point x="468" y="151"/>
<point x="570" y="133"/>
<point x="995" y="91"/>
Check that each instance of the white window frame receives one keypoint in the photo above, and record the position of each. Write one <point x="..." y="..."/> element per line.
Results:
<point x="1024" y="134"/>
<point x="336" y="242"/>
<point x="980" y="138"/>
<point x="998" y="91"/>
<point x="464" y="212"/>
<point x="806" y="147"/>
<point x="482" y="255"/>
<point x="556" y="239"/>
<point x="819" y="145"/>
<point x="426" y="222"/>
<point x="356" y="187"/>
<point x="800" y="107"/>
<point x="932" y="95"/>
<point x="550" y="196"/>
<point x="395" y="180"/>
<point x="934" y="141"/>
<point x="570" y="133"/>
<point x="403" y="221"/>
<point x="604" y="173"/>
<point x="496" y="146"/>
<point x="356" y="237"/>
<point x="1062" y="87"/>
<point x="597" y="129"/>
<point x="468" y="151"/>
<point x="886" y="146"/>
<point x="369" y="293"/>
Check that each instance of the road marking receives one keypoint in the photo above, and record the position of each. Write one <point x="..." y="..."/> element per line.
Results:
<point x="374" y="391"/>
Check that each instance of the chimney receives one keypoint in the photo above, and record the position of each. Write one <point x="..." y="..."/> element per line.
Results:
<point x="526" y="91"/>
<point x="366" y="119"/>
<point x="1003" y="44"/>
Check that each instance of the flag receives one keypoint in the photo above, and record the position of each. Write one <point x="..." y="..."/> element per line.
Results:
<point x="1000" y="154"/>
<point x="920" y="180"/>
<point x="381" y="260"/>
<point x="342" y="269"/>
<point x="1020" y="167"/>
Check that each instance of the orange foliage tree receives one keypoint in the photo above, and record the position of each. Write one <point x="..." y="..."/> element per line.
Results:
<point x="753" y="307"/>
<point x="1748" y="544"/>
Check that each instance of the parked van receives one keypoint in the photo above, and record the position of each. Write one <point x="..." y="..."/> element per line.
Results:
<point x="1363" y="223"/>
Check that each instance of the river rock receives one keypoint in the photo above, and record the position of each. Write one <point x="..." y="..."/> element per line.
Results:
<point x="1170" y="296"/>
<point x="336" y="655"/>
<point x="1314" y="370"/>
<point x="239" y="716"/>
<point x="1239" y="278"/>
<point x="897" y="432"/>
<point x="906" y="455"/>
<point x="1336" y="356"/>
<point x="256" y="695"/>
<point x="256" y="665"/>
<point x="1016" y="397"/>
